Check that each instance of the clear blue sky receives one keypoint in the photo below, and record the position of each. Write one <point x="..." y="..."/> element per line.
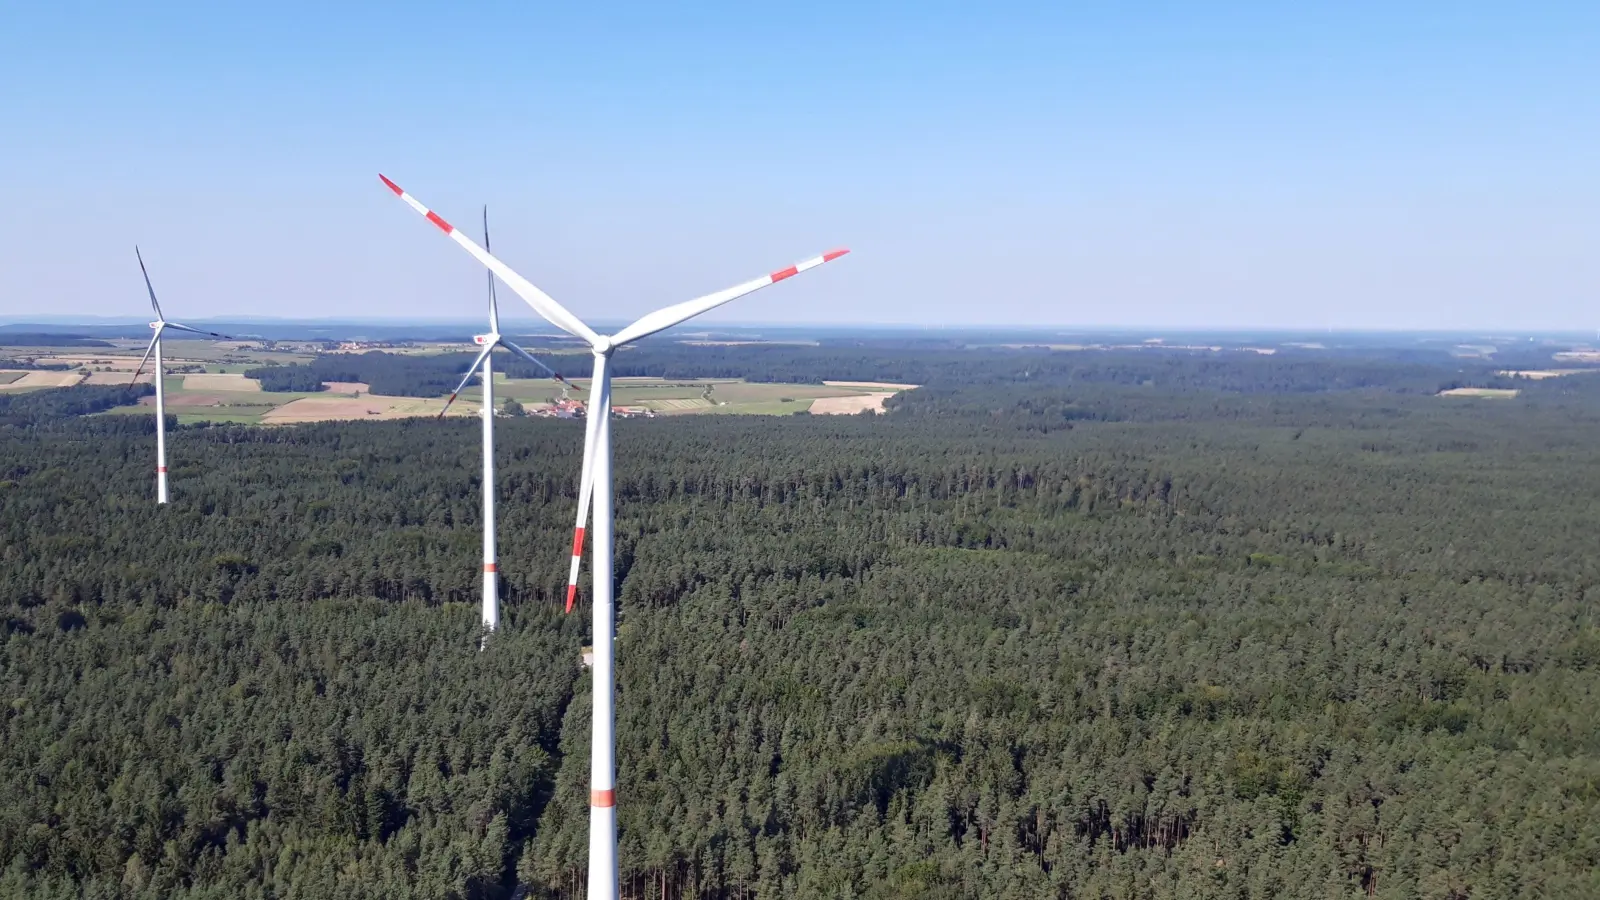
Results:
<point x="1341" y="164"/>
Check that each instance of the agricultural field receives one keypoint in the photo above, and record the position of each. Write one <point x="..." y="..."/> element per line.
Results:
<point x="727" y="396"/>
<point x="246" y="407"/>
<point x="15" y="380"/>
<point x="221" y="382"/>
<point x="847" y="406"/>
<point x="1495" y="393"/>
<point x="330" y="407"/>
<point x="124" y="376"/>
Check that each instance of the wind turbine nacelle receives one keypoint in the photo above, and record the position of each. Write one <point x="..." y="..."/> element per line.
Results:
<point x="481" y="339"/>
<point x="155" y="324"/>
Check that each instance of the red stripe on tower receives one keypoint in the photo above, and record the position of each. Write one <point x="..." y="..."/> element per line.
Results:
<point x="491" y="567"/>
<point x="785" y="273"/>
<point x="435" y="219"/>
<point x="602" y="798"/>
<point x="161" y="469"/>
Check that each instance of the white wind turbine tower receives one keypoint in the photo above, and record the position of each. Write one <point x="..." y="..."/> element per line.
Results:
<point x="160" y="324"/>
<point x="484" y="367"/>
<point x="596" y="480"/>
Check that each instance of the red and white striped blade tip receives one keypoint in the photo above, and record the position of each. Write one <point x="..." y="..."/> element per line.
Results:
<point x="814" y="261"/>
<point x="446" y="407"/>
<point x="432" y="216"/>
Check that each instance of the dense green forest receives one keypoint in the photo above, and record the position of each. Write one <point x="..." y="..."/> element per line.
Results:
<point x="1060" y="625"/>
<point x="54" y="409"/>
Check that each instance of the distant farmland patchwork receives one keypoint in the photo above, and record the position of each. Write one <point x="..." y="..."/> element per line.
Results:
<point x="725" y="396"/>
<point x="223" y="394"/>
<point x="234" y="398"/>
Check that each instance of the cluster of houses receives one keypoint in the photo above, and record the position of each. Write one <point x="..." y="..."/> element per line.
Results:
<point x="561" y="409"/>
<point x="573" y="409"/>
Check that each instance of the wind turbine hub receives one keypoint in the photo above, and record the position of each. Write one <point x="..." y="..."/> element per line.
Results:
<point x="603" y="345"/>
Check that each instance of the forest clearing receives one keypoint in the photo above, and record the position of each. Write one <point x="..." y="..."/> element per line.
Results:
<point x="844" y="406"/>
<point x="871" y="385"/>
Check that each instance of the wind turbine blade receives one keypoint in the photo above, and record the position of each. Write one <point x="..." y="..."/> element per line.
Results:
<point x="146" y="358"/>
<point x="197" y="331"/>
<point x="153" y="304"/>
<point x="542" y="303"/>
<point x="468" y="377"/>
<point x="494" y="311"/>
<point x="585" y="487"/>
<point x="531" y="358"/>
<point x="672" y="315"/>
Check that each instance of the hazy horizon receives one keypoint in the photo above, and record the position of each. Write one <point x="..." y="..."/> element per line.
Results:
<point x="1363" y="167"/>
<point x="530" y="323"/>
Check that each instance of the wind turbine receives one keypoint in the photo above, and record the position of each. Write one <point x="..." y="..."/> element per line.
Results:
<point x="160" y="324"/>
<point x="596" y="483"/>
<point x="482" y="365"/>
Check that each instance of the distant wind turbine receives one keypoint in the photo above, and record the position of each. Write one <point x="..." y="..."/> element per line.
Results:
<point x="596" y="477"/>
<point x="484" y="367"/>
<point x="160" y="324"/>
